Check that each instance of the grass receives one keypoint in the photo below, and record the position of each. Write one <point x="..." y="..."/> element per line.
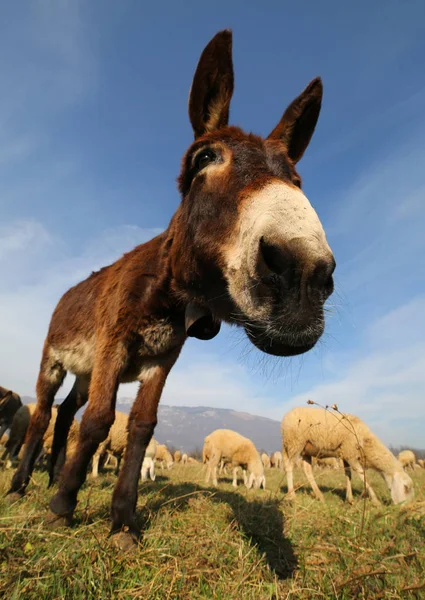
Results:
<point x="199" y="542"/>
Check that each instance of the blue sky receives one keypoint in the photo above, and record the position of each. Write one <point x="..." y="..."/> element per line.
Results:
<point x="93" y="124"/>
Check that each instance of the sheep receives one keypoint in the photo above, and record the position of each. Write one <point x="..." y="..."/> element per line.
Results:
<point x="192" y="461"/>
<point x="18" y="431"/>
<point x="205" y="459"/>
<point x="10" y="403"/>
<point x="421" y="463"/>
<point x="163" y="456"/>
<point x="308" y="432"/>
<point x="278" y="460"/>
<point x="331" y="462"/>
<point x="184" y="458"/>
<point x="115" y="443"/>
<point x="72" y="438"/>
<point x="148" y="466"/>
<point x="265" y="459"/>
<point x="224" y="463"/>
<point x="272" y="463"/>
<point x="407" y="459"/>
<point x="177" y="456"/>
<point x="237" y="450"/>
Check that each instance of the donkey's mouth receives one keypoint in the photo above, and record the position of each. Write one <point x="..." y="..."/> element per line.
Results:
<point x="282" y="345"/>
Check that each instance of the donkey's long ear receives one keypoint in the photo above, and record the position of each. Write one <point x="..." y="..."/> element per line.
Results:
<point x="212" y="86"/>
<point x="299" y="120"/>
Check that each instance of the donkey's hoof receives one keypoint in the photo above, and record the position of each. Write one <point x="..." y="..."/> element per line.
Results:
<point x="54" y="521"/>
<point x="124" y="541"/>
<point x="13" y="497"/>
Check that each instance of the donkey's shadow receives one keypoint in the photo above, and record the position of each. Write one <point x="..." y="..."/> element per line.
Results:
<point x="261" y="521"/>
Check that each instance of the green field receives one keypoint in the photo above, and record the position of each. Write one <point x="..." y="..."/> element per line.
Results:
<point x="199" y="542"/>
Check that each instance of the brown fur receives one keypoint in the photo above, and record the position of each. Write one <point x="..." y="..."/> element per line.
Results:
<point x="126" y="322"/>
<point x="10" y="402"/>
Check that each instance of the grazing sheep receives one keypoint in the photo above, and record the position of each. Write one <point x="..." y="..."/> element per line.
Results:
<point x="265" y="459"/>
<point x="407" y="459"/>
<point x="163" y="456"/>
<point x="192" y="461"/>
<point x="223" y="467"/>
<point x="421" y="463"/>
<point x="236" y="450"/>
<point x="177" y="456"/>
<point x="148" y="465"/>
<point x="327" y="463"/>
<point x="18" y="431"/>
<point x="184" y="458"/>
<point x="10" y="403"/>
<point x="71" y="443"/>
<point x="205" y="459"/>
<point x="115" y="443"/>
<point x="278" y="460"/>
<point x="308" y="432"/>
<point x="272" y="463"/>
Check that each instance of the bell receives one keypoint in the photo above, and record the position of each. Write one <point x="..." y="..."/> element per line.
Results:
<point x="200" y="323"/>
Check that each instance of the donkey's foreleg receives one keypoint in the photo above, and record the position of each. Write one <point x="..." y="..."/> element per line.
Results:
<point x="50" y="379"/>
<point x="4" y="427"/>
<point x="76" y="398"/>
<point x="142" y="421"/>
<point x="94" y="429"/>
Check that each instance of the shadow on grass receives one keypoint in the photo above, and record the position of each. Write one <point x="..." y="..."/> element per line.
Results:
<point x="261" y="521"/>
<point x="341" y="493"/>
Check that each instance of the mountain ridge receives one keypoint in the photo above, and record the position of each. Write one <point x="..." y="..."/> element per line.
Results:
<point x="185" y="427"/>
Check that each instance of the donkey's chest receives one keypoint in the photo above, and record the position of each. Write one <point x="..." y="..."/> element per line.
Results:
<point x="158" y="337"/>
<point x="154" y="340"/>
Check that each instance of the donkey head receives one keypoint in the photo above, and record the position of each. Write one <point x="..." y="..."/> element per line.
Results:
<point x="249" y="245"/>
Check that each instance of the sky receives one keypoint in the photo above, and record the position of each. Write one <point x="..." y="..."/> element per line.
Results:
<point x="93" y="124"/>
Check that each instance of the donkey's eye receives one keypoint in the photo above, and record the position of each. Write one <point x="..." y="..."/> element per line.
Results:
<point x="204" y="158"/>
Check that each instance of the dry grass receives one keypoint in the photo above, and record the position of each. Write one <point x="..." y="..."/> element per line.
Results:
<point x="204" y="543"/>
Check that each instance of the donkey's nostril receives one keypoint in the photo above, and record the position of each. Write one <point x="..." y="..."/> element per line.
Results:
<point x="275" y="258"/>
<point x="321" y="276"/>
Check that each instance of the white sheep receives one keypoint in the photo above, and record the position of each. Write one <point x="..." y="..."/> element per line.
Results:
<point x="184" y="458"/>
<point x="163" y="456"/>
<point x="148" y="466"/>
<point x="421" y="463"/>
<point x="277" y="460"/>
<point x="239" y="451"/>
<point x="223" y="465"/>
<point x="115" y="443"/>
<point x="407" y="459"/>
<point x="177" y="456"/>
<point x="308" y="432"/>
<point x="265" y="459"/>
<point x="328" y="463"/>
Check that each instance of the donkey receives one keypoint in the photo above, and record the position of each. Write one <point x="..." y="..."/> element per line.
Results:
<point x="10" y="402"/>
<point x="244" y="247"/>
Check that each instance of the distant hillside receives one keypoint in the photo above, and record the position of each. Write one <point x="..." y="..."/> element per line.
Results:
<point x="185" y="427"/>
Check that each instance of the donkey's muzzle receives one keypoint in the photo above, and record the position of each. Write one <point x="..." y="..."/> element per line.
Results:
<point x="200" y="322"/>
<point x="292" y="265"/>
